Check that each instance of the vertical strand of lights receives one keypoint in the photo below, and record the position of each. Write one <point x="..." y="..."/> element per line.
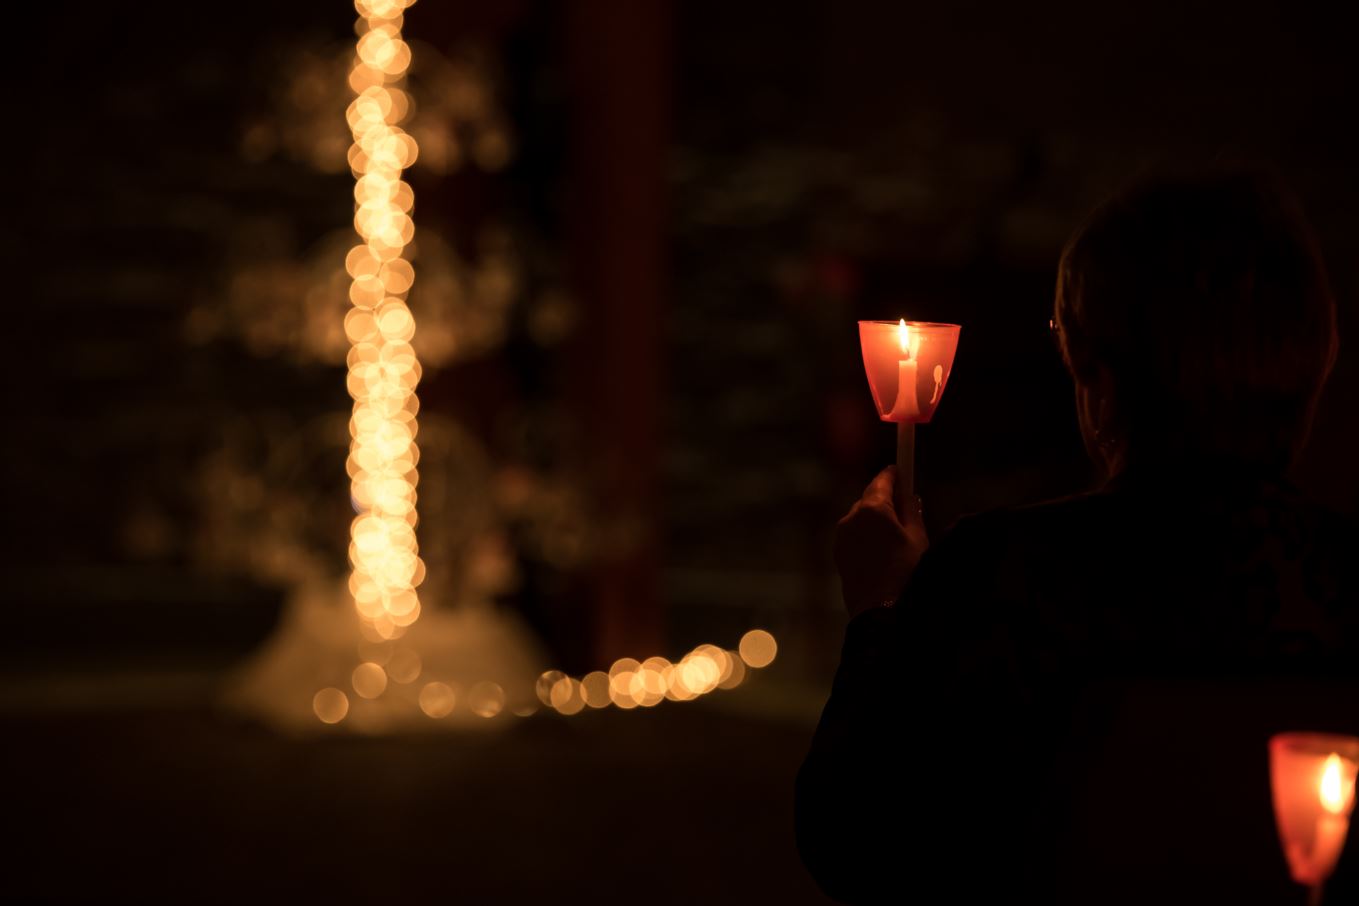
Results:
<point x="383" y="368"/>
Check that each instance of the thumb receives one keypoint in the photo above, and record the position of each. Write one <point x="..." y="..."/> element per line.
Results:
<point x="883" y="486"/>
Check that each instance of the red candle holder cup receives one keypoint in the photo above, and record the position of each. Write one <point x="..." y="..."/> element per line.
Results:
<point x="1312" y="776"/>
<point x="919" y="350"/>
<point x="908" y="365"/>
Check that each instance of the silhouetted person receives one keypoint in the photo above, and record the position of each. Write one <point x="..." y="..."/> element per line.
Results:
<point x="1070" y="702"/>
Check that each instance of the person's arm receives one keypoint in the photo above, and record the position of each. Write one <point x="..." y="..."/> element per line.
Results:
<point x="899" y="766"/>
<point x="845" y="789"/>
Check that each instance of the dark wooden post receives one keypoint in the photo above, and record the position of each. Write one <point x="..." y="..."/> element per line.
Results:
<point x="619" y="81"/>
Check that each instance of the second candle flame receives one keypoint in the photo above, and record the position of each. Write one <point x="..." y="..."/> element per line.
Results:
<point x="904" y="337"/>
<point x="1333" y="786"/>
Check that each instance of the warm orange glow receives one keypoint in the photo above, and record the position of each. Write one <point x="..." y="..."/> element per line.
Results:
<point x="642" y="684"/>
<point x="735" y="676"/>
<point x="594" y="688"/>
<point x="758" y="648"/>
<point x="404" y="666"/>
<point x="620" y="676"/>
<point x="369" y="679"/>
<point x="908" y="365"/>
<point x="1332" y="787"/>
<point x="383" y="369"/>
<point x="546" y="682"/>
<point x="1312" y="777"/>
<point x="383" y="373"/>
<point x="437" y="700"/>
<point x="486" y="699"/>
<point x="566" y="697"/>
<point x="331" y="705"/>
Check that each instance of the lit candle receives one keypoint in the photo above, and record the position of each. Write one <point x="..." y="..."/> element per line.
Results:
<point x="1313" y="778"/>
<point x="897" y="356"/>
<point x="894" y="356"/>
<point x="907" y="405"/>
<point x="1333" y="824"/>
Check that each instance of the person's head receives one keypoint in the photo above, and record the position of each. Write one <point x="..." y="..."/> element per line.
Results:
<point x="1195" y="316"/>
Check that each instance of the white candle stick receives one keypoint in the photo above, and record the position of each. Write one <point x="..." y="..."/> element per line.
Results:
<point x="907" y="404"/>
<point x="905" y="486"/>
<point x="904" y="411"/>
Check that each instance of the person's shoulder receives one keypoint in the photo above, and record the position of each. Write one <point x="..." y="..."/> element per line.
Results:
<point x="1076" y="512"/>
<point x="980" y="547"/>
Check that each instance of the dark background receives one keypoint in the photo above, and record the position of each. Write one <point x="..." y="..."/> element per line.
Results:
<point x="699" y="201"/>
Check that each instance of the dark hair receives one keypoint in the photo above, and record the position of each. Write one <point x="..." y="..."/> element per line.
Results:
<point x="1205" y="302"/>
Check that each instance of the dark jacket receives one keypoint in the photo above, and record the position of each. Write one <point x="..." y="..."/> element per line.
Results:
<point x="1071" y="702"/>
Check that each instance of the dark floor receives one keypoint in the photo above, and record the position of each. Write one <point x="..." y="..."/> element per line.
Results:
<point x="682" y="804"/>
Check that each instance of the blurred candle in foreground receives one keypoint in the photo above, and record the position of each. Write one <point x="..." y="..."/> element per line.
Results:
<point x="1313" y="777"/>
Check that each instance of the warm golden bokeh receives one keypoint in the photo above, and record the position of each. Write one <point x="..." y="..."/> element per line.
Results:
<point x="737" y="674"/>
<point x="566" y="696"/>
<point x="641" y="684"/>
<point x="383" y="372"/>
<point x="437" y="700"/>
<point x="594" y="688"/>
<point x="383" y="369"/>
<point x="331" y="705"/>
<point x="404" y="666"/>
<point x="543" y="687"/>
<point x="758" y="648"/>
<point x="486" y="699"/>
<point x="369" y="679"/>
<point x="1332" y="787"/>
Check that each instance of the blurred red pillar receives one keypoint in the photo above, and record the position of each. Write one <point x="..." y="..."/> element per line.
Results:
<point x="618" y="66"/>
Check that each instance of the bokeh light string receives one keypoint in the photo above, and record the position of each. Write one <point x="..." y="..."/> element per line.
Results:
<point x="632" y="684"/>
<point x="628" y="684"/>
<point x="383" y="372"/>
<point x="383" y="368"/>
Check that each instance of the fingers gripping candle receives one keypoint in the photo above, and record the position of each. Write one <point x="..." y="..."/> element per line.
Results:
<point x="896" y="354"/>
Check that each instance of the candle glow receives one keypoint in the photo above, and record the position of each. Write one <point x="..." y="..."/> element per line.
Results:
<point x="895" y="356"/>
<point x="1313" y="778"/>
<point x="907" y="404"/>
<point x="898" y="356"/>
<point x="1332" y="786"/>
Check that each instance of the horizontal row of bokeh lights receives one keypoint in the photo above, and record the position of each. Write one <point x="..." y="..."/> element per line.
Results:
<point x="628" y="683"/>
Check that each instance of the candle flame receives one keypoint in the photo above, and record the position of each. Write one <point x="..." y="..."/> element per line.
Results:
<point x="904" y="337"/>
<point x="1333" y="785"/>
